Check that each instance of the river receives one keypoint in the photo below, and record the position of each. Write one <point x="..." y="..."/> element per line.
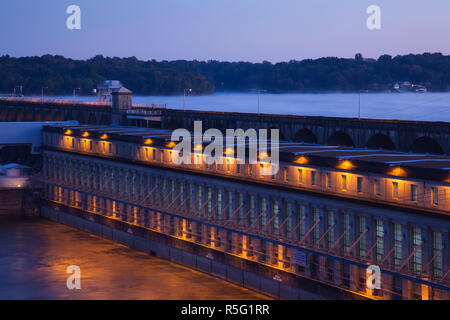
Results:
<point x="35" y="254"/>
<point x="402" y="106"/>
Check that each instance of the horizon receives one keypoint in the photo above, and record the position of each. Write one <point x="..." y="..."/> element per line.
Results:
<point x="220" y="61"/>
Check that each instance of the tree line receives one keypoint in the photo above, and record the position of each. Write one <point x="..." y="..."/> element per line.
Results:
<point x="60" y="75"/>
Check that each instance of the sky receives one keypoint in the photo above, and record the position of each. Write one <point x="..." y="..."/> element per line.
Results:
<point x="225" y="30"/>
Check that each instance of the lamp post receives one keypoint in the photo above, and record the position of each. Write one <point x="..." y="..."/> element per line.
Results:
<point x="259" y="91"/>
<point x="19" y="92"/>
<point x="74" y="97"/>
<point x="359" y="103"/>
<point x="184" y="97"/>
<point x="42" y="93"/>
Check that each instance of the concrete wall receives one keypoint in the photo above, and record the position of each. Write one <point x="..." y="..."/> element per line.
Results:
<point x="245" y="273"/>
<point x="16" y="202"/>
<point x="387" y="134"/>
<point x="26" y="111"/>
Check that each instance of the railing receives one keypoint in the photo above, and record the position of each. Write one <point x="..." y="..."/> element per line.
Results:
<point x="148" y="106"/>
<point x="137" y="108"/>
<point x="231" y="224"/>
<point x="55" y="101"/>
<point x="149" y="112"/>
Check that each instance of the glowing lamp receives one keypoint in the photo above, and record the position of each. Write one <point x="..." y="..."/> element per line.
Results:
<point x="346" y="165"/>
<point x="68" y="131"/>
<point x="104" y="136"/>
<point x="85" y="134"/>
<point x="148" y="141"/>
<point x="171" y="144"/>
<point x="397" y="171"/>
<point x="301" y="160"/>
<point x="263" y="155"/>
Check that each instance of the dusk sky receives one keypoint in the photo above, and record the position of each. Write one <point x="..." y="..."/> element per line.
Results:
<point x="231" y="30"/>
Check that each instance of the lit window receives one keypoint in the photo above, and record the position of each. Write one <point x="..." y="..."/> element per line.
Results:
<point x="330" y="224"/>
<point x="359" y="183"/>
<point x="347" y="234"/>
<point x="380" y="241"/>
<point x="313" y="178"/>
<point x="377" y="187"/>
<point x="417" y="258"/>
<point x="316" y="231"/>
<point x="286" y="174"/>
<point x="437" y="254"/>
<point x="413" y="192"/>
<point x="344" y="182"/>
<point x="398" y="237"/>
<point x="395" y="189"/>
<point x="362" y="241"/>
<point x="435" y="195"/>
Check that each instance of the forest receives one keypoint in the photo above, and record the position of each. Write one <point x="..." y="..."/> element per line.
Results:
<point x="60" y="75"/>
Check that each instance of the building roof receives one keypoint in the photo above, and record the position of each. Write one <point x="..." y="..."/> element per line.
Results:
<point x="121" y="90"/>
<point x="422" y="166"/>
<point x="110" y="84"/>
<point x="14" y="166"/>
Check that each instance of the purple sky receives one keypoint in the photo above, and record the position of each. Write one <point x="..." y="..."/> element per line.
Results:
<point x="233" y="30"/>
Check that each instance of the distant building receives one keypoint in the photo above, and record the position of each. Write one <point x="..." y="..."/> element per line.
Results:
<point x="121" y="102"/>
<point x="121" y="99"/>
<point x="14" y="175"/>
<point x="406" y="86"/>
<point x="105" y="89"/>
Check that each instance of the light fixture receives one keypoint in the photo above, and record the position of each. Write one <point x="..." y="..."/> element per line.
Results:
<point x="398" y="172"/>
<point x="301" y="160"/>
<point x="346" y="165"/>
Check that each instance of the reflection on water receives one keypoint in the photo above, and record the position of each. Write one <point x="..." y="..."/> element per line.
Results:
<point x="36" y="252"/>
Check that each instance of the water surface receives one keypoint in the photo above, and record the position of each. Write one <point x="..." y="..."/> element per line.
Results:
<point x="35" y="254"/>
<point x="404" y="106"/>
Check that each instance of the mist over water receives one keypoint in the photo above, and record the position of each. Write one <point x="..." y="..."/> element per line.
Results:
<point x="35" y="254"/>
<point x="403" y="106"/>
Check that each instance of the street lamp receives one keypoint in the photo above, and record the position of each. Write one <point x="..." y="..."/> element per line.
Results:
<point x="359" y="102"/>
<point x="74" y="89"/>
<point x="184" y="97"/>
<point x="259" y="91"/>
<point x="20" y="87"/>
<point x="42" y="93"/>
